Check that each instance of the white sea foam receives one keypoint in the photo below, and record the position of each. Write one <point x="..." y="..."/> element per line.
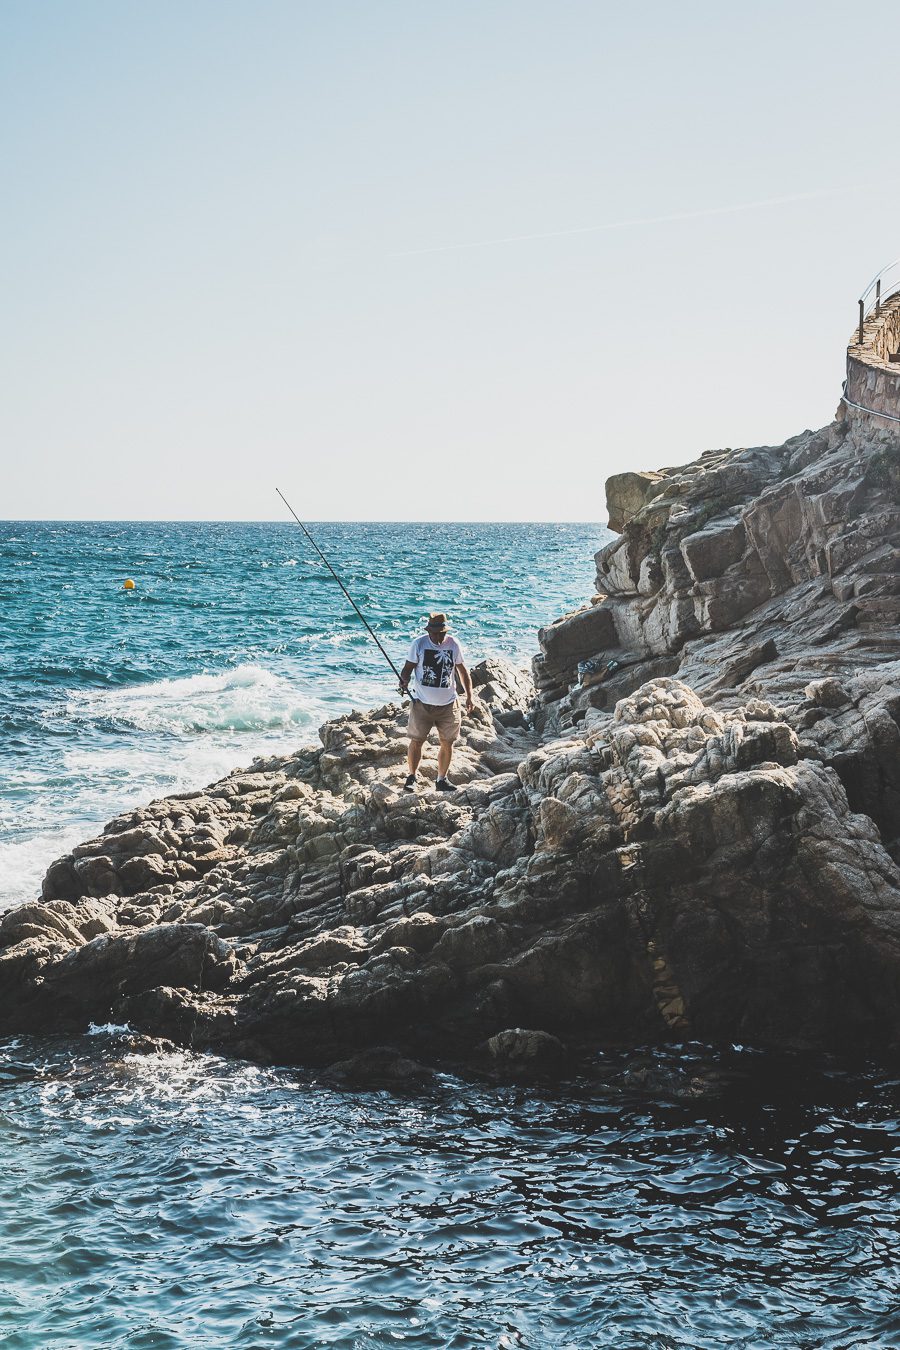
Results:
<point x="98" y="783"/>
<point x="176" y="735"/>
<point x="24" y="862"/>
<point x="247" y="698"/>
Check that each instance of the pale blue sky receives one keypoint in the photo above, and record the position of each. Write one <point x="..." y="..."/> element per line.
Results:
<point x="249" y="244"/>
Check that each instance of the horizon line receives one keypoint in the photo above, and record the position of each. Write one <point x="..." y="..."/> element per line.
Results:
<point x="241" y="520"/>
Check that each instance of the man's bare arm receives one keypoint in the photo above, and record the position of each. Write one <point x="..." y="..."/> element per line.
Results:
<point x="467" y="684"/>
<point x="405" y="673"/>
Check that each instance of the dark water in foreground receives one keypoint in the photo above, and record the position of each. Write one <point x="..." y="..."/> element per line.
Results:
<point x="683" y="1199"/>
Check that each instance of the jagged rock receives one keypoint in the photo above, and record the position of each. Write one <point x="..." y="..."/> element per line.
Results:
<point x="828" y="693"/>
<point x="80" y="981"/>
<point x="97" y="874"/>
<point x="510" y="689"/>
<point x="145" y="871"/>
<point x="520" y="1049"/>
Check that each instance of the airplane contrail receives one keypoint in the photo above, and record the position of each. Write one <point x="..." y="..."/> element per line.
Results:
<point x="637" y="220"/>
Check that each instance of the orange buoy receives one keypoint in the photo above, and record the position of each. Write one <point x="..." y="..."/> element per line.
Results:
<point x="128" y="584"/>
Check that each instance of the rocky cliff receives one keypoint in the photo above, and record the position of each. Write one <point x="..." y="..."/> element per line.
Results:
<point x="692" y="831"/>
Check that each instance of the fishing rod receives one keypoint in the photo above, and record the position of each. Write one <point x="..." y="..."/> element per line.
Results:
<point x="371" y="632"/>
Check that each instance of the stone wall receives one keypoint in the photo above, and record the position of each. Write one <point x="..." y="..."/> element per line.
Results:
<point x="873" y="381"/>
<point x="887" y="336"/>
<point x="877" y="388"/>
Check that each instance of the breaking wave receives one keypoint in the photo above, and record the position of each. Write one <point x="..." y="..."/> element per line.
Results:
<point x="129" y="744"/>
<point x="245" y="699"/>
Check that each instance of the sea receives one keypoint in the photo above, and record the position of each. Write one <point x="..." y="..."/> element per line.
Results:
<point x="689" y="1198"/>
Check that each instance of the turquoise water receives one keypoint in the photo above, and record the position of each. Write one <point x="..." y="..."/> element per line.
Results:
<point x="235" y="642"/>
<point x="690" y="1199"/>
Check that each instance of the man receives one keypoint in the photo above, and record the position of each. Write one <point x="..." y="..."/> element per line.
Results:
<point x="434" y="658"/>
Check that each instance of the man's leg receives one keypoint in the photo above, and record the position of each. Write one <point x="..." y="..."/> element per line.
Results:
<point x="418" y="728"/>
<point x="414" y="754"/>
<point x="445" y="754"/>
<point x="448" y="729"/>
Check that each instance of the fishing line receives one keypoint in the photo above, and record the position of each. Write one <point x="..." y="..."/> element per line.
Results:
<point x="372" y="633"/>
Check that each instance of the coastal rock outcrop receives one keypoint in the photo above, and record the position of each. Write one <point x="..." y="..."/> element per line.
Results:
<point x="775" y="564"/>
<point x="693" y="831"/>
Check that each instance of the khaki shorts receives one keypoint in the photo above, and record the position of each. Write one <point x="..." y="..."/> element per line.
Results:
<point x="445" y="716"/>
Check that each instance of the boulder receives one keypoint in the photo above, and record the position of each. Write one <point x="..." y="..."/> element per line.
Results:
<point x="572" y="639"/>
<point x="145" y="871"/>
<point x="516" y="1048"/>
<point x="628" y="493"/>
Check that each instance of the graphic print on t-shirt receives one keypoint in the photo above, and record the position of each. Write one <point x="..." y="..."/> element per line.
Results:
<point x="437" y="668"/>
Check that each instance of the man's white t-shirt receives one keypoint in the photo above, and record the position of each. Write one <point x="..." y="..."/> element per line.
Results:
<point x="435" y="667"/>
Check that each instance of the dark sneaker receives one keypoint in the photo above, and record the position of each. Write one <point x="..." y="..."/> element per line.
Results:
<point x="443" y="785"/>
<point x="410" y="784"/>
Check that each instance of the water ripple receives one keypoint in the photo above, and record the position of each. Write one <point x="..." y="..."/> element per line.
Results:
<point x="155" y="1200"/>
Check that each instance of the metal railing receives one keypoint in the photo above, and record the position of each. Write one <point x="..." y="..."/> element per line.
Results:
<point x="885" y="284"/>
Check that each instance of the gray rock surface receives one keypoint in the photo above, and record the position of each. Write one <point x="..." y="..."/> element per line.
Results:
<point x="700" y="841"/>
